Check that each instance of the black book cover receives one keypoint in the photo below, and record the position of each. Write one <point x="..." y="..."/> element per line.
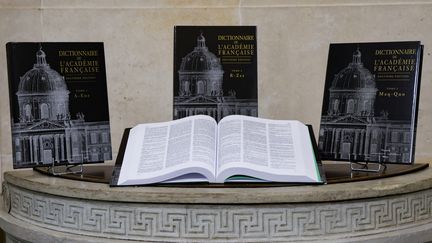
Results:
<point x="370" y="102"/>
<point x="215" y="71"/>
<point x="58" y="102"/>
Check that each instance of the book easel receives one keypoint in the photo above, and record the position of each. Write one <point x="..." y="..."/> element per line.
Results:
<point x="68" y="168"/>
<point x="364" y="166"/>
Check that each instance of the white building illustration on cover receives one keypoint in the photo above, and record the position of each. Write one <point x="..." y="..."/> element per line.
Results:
<point x="350" y="129"/>
<point x="46" y="133"/>
<point x="201" y="87"/>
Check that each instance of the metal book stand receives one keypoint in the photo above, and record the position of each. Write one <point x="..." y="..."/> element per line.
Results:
<point x="365" y="166"/>
<point x="76" y="168"/>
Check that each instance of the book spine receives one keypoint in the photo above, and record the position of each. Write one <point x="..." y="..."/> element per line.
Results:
<point x="11" y="74"/>
<point x="174" y="70"/>
<point x="416" y="99"/>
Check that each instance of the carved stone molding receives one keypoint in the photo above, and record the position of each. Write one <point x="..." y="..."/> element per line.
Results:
<point x="169" y="222"/>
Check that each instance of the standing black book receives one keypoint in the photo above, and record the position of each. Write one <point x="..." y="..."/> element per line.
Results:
<point x="370" y="102"/>
<point x="58" y="103"/>
<point x="215" y="71"/>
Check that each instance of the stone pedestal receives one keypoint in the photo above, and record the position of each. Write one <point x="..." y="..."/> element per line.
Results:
<point x="38" y="208"/>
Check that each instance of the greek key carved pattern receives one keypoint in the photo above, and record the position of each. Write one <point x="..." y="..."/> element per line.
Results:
<point x="220" y="222"/>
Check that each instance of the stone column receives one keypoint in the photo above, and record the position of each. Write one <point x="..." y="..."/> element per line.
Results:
<point x="68" y="147"/>
<point x="355" y="149"/>
<point x="31" y="148"/>
<point x="336" y="143"/>
<point x="362" y="135"/>
<point x="333" y="137"/>
<point x="62" y="147"/>
<point x="341" y="141"/>
<point x="41" y="149"/>
<point x="56" y="148"/>
<point x="36" y="148"/>
<point x="367" y="141"/>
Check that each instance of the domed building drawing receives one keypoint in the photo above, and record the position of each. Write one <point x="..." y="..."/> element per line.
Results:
<point x="45" y="132"/>
<point x="353" y="90"/>
<point x="350" y="130"/>
<point x="201" y="77"/>
<point x="201" y="72"/>
<point x="42" y="93"/>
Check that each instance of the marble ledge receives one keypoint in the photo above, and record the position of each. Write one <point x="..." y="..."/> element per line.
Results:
<point x="34" y="181"/>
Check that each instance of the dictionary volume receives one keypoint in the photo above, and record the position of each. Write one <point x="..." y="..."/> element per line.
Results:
<point x="370" y="103"/>
<point x="215" y="71"/>
<point x="238" y="149"/>
<point x="58" y="103"/>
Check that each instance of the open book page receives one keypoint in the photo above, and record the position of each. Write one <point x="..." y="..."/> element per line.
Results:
<point x="273" y="150"/>
<point x="158" y="152"/>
